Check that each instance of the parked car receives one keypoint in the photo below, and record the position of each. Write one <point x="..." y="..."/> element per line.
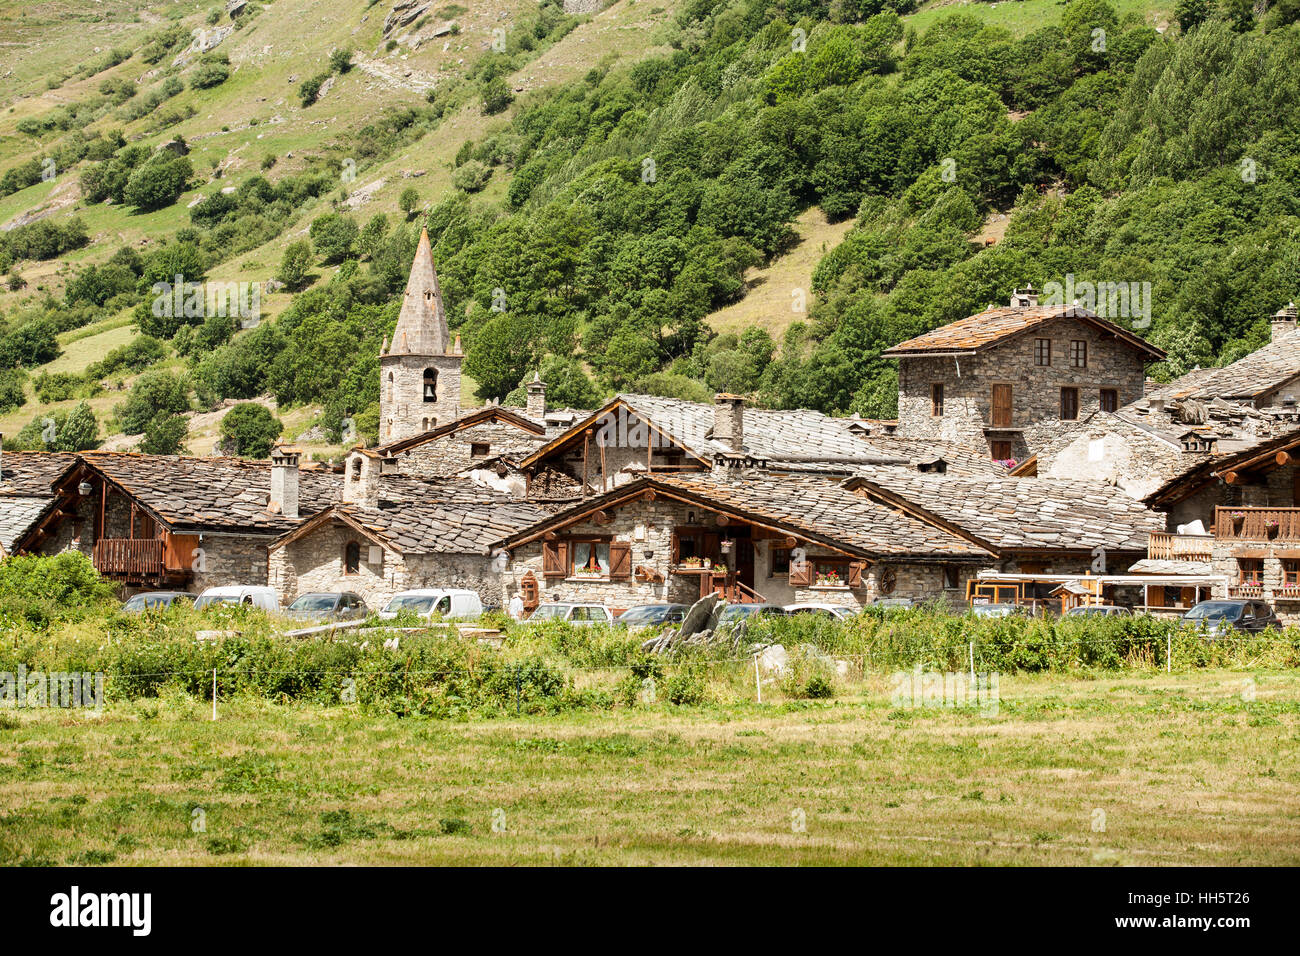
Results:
<point x="1099" y="610"/>
<point x="328" y="606"/>
<point x="459" y="603"/>
<point x="154" y="600"/>
<point x="895" y="602"/>
<point x="652" y="615"/>
<point x="822" y="610"/>
<point x="735" y="613"/>
<point x="996" y="610"/>
<point x="1243" y="614"/>
<point x="253" y="595"/>
<point x="573" y="613"/>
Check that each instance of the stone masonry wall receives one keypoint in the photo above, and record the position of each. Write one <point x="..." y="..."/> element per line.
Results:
<point x="968" y="394"/>
<point x="453" y="453"/>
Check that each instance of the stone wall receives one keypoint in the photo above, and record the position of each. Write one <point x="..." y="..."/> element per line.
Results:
<point x="315" y="562"/>
<point x="453" y="453"/>
<point x="1225" y="554"/>
<point x="403" y="410"/>
<point x="968" y="388"/>
<point x="1103" y="452"/>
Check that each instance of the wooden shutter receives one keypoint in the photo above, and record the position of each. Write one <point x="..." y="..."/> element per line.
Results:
<point x="801" y="573"/>
<point x="677" y="549"/>
<point x="1001" y="406"/>
<point x="554" y="558"/>
<point x="855" y="574"/>
<point x="620" y="560"/>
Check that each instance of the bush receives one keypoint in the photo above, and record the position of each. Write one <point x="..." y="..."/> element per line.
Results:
<point x="158" y="183"/>
<point x="333" y="235"/>
<point x="249" y="430"/>
<point x="40" y="590"/>
<point x="165" y="435"/>
<point x="12" y="394"/>
<point x="295" y="265"/>
<point x="309" y="91"/>
<point x="152" y="393"/>
<point x="471" y="177"/>
<point x="213" y="69"/>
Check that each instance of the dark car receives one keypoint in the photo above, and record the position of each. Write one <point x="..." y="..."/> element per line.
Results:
<point x="651" y="615"/>
<point x="155" y="600"/>
<point x="328" y="606"/>
<point x="1243" y="614"/>
<point x="735" y="613"/>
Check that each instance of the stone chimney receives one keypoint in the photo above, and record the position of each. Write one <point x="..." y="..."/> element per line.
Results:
<point x="729" y="420"/>
<point x="1283" y="321"/>
<point x="284" y="480"/>
<point x="361" y="480"/>
<point x="1024" y="298"/>
<point x="536" y="407"/>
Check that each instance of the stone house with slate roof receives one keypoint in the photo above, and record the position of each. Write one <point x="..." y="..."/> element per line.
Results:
<point x="26" y="482"/>
<point x="751" y="535"/>
<point x="1006" y="381"/>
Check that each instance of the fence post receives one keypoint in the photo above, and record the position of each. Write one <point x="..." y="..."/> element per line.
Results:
<point x="972" y="663"/>
<point x="1169" y="653"/>
<point x="214" y="693"/>
<point x="758" y="684"/>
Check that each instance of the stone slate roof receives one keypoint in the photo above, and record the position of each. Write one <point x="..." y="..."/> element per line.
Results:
<point x="32" y="472"/>
<point x="17" y="514"/>
<point x="807" y="506"/>
<point x="996" y="325"/>
<point x="1013" y="514"/>
<point x="433" y="527"/>
<point x="422" y="324"/>
<point x="212" y="494"/>
<point x="1263" y="370"/>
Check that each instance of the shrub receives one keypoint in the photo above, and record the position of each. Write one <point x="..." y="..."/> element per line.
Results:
<point x="471" y="177"/>
<point x="152" y="393"/>
<point x="213" y="69"/>
<point x="158" y="183"/>
<point x="295" y="265"/>
<point x="333" y="235"/>
<point x="165" y="435"/>
<point x="40" y="590"/>
<point x="249" y="430"/>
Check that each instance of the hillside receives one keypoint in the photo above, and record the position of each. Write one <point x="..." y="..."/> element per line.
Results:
<point x="625" y="199"/>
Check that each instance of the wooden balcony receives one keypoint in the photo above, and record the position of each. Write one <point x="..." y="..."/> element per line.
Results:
<point x="131" y="559"/>
<point x="1179" y="547"/>
<point x="1245" y="590"/>
<point x="1257" y="524"/>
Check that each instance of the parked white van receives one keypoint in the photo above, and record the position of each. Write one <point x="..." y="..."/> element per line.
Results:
<point x="430" y="602"/>
<point x="254" y="595"/>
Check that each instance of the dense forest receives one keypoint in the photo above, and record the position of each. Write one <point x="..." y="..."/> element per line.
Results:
<point x="641" y="194"/>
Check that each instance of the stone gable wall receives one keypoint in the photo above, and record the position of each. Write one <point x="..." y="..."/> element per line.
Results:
<point x="403" y="412"/>
<point x="1035" y="390"/>
<point x="453" y="453"/>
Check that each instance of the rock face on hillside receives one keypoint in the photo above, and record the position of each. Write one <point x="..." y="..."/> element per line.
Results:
<point x="575" y="7"/>
<point x="404" y="12"/>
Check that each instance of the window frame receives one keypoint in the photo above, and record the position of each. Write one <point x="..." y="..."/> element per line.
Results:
<point x="596" y="543"/>
<point x="350" y="569"/>
<point x="1073" y="391"/>
<point x="1250" y="572"/>
<point x="1078" y="353"/>
<point x="1102" y="394"/>
<point x="1043" y="350"/>
<point x="936" y="399"/>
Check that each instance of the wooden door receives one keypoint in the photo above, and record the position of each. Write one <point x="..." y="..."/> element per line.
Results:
<point x="1001" y="406"/>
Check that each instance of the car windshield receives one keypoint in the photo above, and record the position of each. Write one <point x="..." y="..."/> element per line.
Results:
<point x="549" y="612"/>
<point x="314" y="602"/>
<point x="419" y="603"/>
<point x="1214" y="611"/>
<point x="735" y="612"/>
<point x="647" y="614"/>
<point x="134" y="603"/>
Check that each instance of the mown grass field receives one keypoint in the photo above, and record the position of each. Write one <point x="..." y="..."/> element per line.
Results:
<point x="1136" y="767"/>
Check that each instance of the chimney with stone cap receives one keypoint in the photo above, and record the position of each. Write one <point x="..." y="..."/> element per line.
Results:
<point x="284" y="480"/>
<point x="536" y="406"/>
<point x="729" y="420"/>
<point x="1024" y="298"/>
<point x="1283" y="321"/>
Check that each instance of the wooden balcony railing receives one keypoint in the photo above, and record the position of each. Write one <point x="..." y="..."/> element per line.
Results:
<point x="132" y="558"/>
<point x="1178" y="547"/>
<point x="1257" y="524"/>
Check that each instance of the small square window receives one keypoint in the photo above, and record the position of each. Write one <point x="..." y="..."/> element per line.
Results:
<point x="479" y="449"/>
<point x="780" y="561"/>
<point x="951" y="577"/>
<point x="1042" y="351"/>
<point x="1078" y="353"/>
<point x="1109" y="400"/>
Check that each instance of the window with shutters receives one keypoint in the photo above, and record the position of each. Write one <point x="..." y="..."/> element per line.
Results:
<point x="1078" y="353"/>
<point x="1069" y="404"/>
<point x="1001" y="450"/>
<point x="1001" y="406"/>
<point x="590" y="559"/>
<point x="1042" y="351"/>
<point x="1109" y="400"/>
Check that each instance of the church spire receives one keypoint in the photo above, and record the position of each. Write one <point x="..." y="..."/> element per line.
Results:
<point x="422" y="325"/>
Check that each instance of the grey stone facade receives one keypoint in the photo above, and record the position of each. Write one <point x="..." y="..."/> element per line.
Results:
<point x="968" y="382"/>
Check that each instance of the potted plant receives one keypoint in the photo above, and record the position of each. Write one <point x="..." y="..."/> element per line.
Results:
<point x="829" y="579"/>
<point x="1238" y="518"/>
<point x="1271" y="527"/>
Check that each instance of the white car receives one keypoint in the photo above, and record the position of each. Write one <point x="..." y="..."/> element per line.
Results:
<point x="254" y="595"/>
<point x="435" y="602"/>
<point x="573" y="613"/>
<point x="834" y="610"/>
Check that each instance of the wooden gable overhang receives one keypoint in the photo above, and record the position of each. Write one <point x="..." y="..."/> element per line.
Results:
<point x="1230" y="469"/>
<point x="492" y="413"/>
<point x="598" y="507"/>
<point x="342" y="515"/>
<point x="584" y="432"/>
<point x="67" y="495"/>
